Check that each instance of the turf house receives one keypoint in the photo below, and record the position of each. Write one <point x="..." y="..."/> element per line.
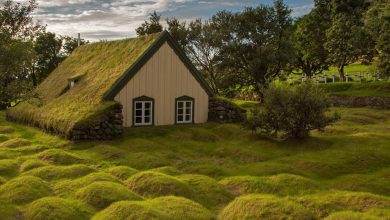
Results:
<point x="103" y="87"/>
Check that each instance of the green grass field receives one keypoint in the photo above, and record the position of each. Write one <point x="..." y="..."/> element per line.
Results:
<point x="211" y="171"/>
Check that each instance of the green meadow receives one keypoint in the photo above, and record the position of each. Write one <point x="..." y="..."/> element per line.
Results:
<point x="210" y="171"/>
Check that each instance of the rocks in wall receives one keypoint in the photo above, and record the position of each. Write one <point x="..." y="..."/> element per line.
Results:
<point x="355" y="101"/>
<point x="222" y="110"/>
<point x="109" y="127"/>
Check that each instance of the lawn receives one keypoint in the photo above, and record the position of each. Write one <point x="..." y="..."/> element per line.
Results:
<point x="210" y="171"/>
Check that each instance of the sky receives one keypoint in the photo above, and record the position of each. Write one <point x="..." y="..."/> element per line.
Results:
<point x="117" y="19"/>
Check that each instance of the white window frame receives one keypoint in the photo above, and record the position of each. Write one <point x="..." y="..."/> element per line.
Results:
<point x="143" y="116"/>
<point x="185" y="113"/>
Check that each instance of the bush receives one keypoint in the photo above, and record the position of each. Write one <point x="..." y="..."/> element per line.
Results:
<point x="102" y="194"/>
<point x="258" y="206"/>
<point x="53" y="208"/>
<point x="293" y="112"/>
<point x="24" y="189"/>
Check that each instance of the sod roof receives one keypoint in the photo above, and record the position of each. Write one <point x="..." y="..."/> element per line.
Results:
<point x="100" y="69"/>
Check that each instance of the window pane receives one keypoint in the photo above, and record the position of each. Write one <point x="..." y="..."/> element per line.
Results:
<point x="138" y="105"/>
<point x="147" y="112"/>
<point x="180" y="111"/>
<point x="188" y="117"/>
<point x="138" y="120"/>
<point x="148" y="105"/>
<point x="138" y="113"/>
<point x="180" y="104"/>
<point x="147" y="120"/>
<point x="180" y="118"/>
<point x="188" y="104"/>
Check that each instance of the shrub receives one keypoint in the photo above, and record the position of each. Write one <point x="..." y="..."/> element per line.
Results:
<point x="102" y="194"/>
<point x="24" y="189"/>
<point x="59" y="157"/>
<point x="293" y="112"/>
<point x="257" y="206"/>
<point x="122" y="172"/>
<point x="59" y="172"/>
<point x="163" y="208"/>
<point x="31" y="164"/>
<point x="152" y="184"/>
<point x="207" y="191"/>
<point x="53" y="208"/>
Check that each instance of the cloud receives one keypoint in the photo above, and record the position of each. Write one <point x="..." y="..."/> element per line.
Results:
<point x="114" y="19"/>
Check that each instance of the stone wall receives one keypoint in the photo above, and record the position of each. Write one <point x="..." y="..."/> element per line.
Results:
<point x="354" y="101"/>
<point x="222" y="110"/>
<point x="108" y="127"/>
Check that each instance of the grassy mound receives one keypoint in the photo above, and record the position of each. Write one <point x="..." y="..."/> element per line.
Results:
<point x="372" y="214"/>
<point x="66" y="187"/>
<point x="208" y="191"/>
<point x="322" y="204"/>
<point x="53" y="208"/>
<point x="173" y="208"/>
<point x="60" y="172"/>
<point x="31" y="164"/>
<point x="9" y="212"/>
<point x="257" y="206"/>
<point x="3" y="138"/>
<point x="122" y="172"/>
<point x="168" y="170"/>
<point x="145" y="160"/>
<point x="24" y="189"/>
<point x="59" y="157"/>
<point x="102" y="194"/>
<point x="2" y="180"/>
<point x="6" y="130"/>
<point x="14" y="143"/>
<point x="281" y="184"/>
<point x="8" y="167"/>
<point x="152" y="184"/>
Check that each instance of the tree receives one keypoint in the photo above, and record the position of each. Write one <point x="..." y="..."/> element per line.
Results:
<point x="378" y="24"/>
<point x="150" y="27"/>
<point x="347" y="39"/>
<point x="17" y="30"/>
<point x="70" y="44"/>
<point x="178" y="31"/>
<point x="261" y="43"/>
<point x="292" y="112"/>
<point x="312" y="57"/>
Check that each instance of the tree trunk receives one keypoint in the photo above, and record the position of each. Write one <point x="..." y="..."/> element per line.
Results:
<point x="341" y="71"/>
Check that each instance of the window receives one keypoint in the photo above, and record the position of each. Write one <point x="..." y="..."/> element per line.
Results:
<point x="143" y="111"/>
<point x="184" y="110"/>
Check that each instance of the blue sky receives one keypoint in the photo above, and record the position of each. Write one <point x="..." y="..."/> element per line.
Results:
<point x="115" y="19"/>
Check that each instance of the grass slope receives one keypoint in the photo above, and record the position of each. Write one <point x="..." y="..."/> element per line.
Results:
<point x="200" y="172"/>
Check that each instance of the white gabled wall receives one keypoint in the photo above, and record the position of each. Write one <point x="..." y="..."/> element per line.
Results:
<point x="164" y="77"/>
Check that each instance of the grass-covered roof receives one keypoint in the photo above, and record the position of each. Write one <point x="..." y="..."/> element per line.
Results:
<point x="96" y="68"/>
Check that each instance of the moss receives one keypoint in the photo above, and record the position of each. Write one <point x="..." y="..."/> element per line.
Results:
<point x="53" y="208"/>
<point x="168" y="170"/>
<point x="2" y="180"/>
<point x="31" y="164"/>
<point x="9" y="211"/>
<point x="154" y="184"/>
<point x="145" y="160"/>
<point x="14" y="143"/>
<point x="6" y="130"/>
<point x="66" y="187"/>
<point x="122" y="172"/>
<point x="207" y="191"/>
<point x="163" y="208"/>
<point x="100" y="65"/>
<point x="102" y="194"/>
<point x="8" y="167"/>
<point x="3" y="138"/>
<point x="60" y="172"/>
<point x="351" y="215"/>
<point x="322" y="204"/>
<point x="258" y="206"/>
<point x="24" y="189"/>
<point x="281" y="184"/>
<point x="59" y="157"/>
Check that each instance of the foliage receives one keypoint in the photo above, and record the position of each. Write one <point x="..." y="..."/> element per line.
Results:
<point x="292" y="111"/>
<point x="152" y="26"/>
